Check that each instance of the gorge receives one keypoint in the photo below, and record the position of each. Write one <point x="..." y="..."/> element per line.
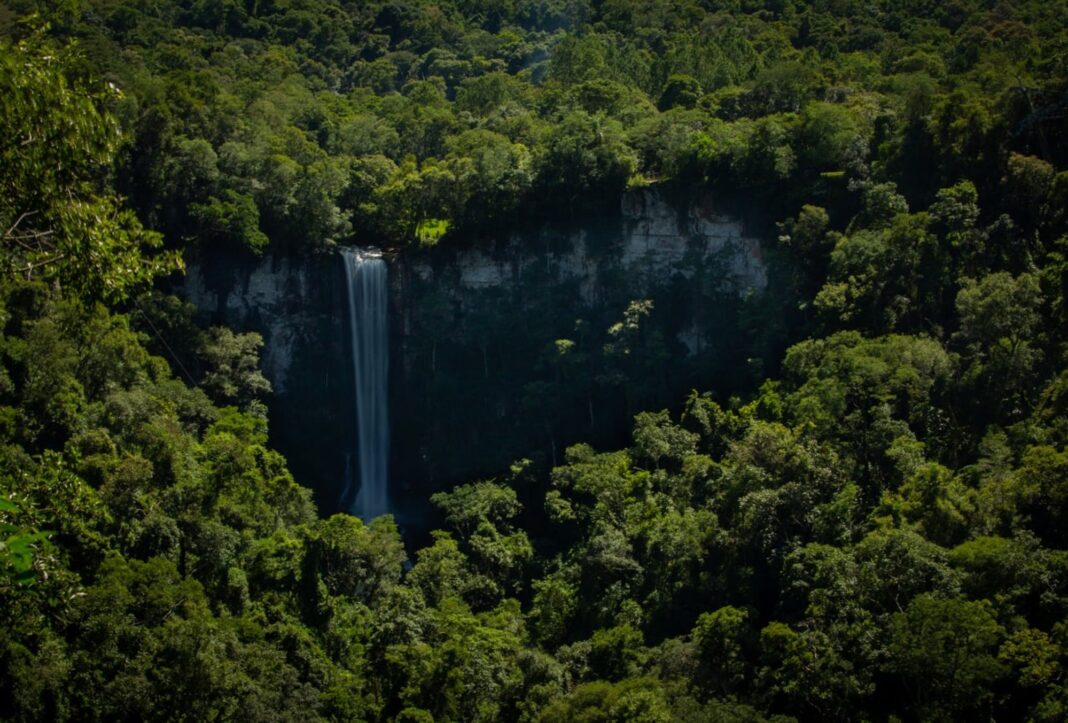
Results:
<point x="412" y="361"/>
<point x="497" y="352"/>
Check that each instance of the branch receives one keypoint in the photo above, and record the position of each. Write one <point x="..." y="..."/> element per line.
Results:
<point x="23" y="241"/>
<point x="43" y="262"/>
<point x="18" y="221"/>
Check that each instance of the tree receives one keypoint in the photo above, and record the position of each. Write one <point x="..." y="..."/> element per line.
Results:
<point x="1029" y="181"/>
<point x="18" y="548"/>
<point x="998" y="309"/>
<point x="880" y="278"/>
<point x="946" y="652"/>
<point x="494" y="174"/>
<point x="640" y="700"/>
<point x="722" y="638"/>
<point x="634" y="356"/>
<point x="955" y="215"/>
<point x="233" y="375"/>
<point x="361" y="562"/>
<point x="468" y="505"/>
<point x="831" y="137"/>
<point x="57" y="219"/>
<point x="586" y="153"/>
<point x="998" y="317"/>
<point x="234" y="218"/>
<point x="894" y="566"/>
<point x="483" y="514"/>
<point x="804" y="670"/>
<point x="680" y="91"/>
<point x="658" y="441"/>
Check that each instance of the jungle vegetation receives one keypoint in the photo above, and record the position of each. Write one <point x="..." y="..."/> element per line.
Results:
<point x="877" y="532"/>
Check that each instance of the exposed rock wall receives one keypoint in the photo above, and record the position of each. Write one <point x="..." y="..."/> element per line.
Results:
<point x="653" y="240"/>
<point x="283" y="298"/>
<point x="297" y="304"/>
<point x="468" y="328"/>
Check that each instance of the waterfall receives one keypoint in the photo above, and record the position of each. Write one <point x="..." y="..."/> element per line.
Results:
<point x="365" y="281"/>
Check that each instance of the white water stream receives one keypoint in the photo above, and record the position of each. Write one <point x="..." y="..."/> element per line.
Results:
<point x="367" y="285"/>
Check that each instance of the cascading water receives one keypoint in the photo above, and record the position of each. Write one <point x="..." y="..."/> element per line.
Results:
<point x="366" y="283"/>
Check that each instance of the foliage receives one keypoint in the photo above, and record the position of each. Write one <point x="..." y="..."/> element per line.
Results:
<point x="875" y="531"/>
<point x="60" y="222"/>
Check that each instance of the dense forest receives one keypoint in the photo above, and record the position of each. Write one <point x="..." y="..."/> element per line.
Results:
<point x="874" y="527"/>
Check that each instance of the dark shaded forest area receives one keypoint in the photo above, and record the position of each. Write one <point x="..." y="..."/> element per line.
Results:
<point x="877" y="531"/>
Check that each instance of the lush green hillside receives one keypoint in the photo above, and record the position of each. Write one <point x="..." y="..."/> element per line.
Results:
<point x="322" y="121"/>
<point x="877" y="533"/>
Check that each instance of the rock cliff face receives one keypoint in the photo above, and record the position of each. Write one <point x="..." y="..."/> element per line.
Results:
<point x="288" y="300"/>
<point x="297" y="304"/>
<point x="501" y="350"/>
<point x="651" y="241"/>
